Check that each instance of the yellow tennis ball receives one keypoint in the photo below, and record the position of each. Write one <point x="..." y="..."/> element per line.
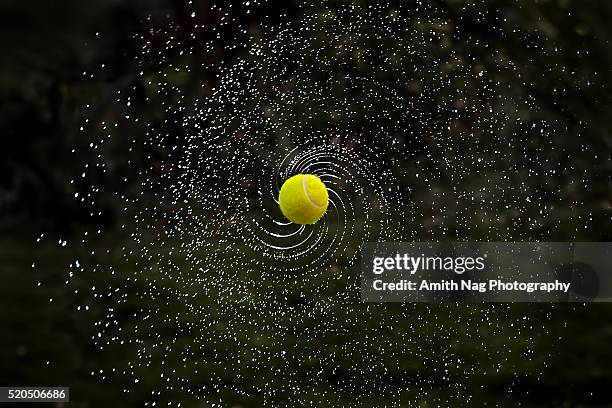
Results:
<point x="303" y="199"/>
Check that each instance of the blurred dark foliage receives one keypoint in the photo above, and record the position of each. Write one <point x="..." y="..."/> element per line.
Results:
<point x="49" y="47"/>
<point x="46" y="83"/>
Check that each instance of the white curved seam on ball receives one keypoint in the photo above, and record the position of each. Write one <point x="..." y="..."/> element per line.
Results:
<point x="308" y="195"/>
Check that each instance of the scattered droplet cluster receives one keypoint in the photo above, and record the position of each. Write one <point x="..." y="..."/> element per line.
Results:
<point x="214" y="295"/>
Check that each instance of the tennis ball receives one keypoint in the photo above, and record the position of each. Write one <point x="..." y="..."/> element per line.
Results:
<point x="303" y="199"/>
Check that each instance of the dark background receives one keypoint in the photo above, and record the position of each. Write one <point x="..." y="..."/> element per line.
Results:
<point x="552" y="355"/>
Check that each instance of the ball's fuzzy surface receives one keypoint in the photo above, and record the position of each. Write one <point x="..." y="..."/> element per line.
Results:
<point x="303" y="199"/>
